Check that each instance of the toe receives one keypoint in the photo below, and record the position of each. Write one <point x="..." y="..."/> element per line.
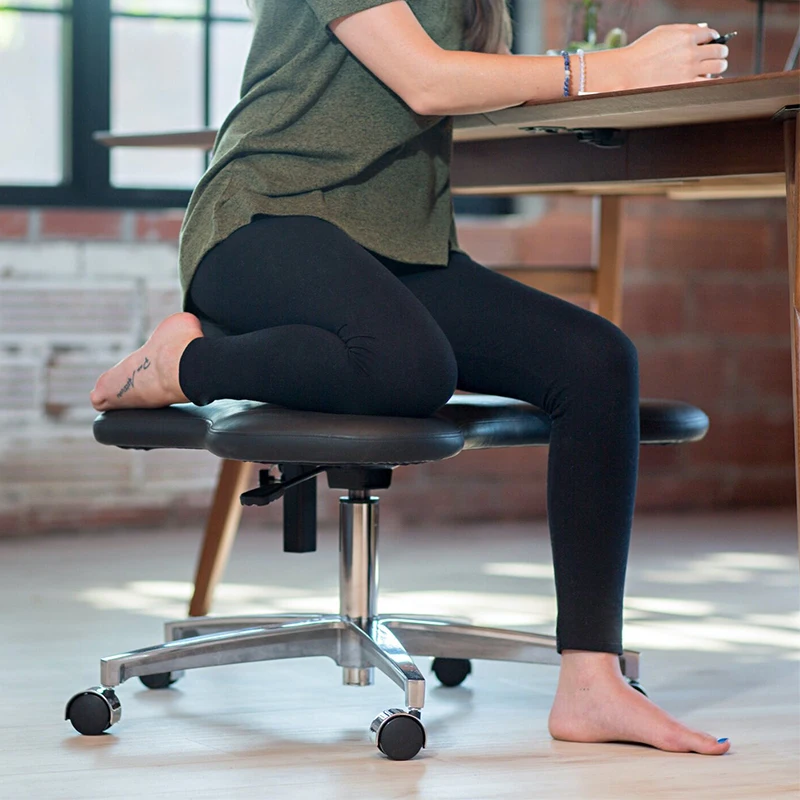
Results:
<point x="709" y="745"/>
<point x="720" y="746"/>
<point x="680" y="739"/>
<point x="99" y="397"/>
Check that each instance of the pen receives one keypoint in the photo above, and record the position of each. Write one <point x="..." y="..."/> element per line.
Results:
<point x="724" y="38"/>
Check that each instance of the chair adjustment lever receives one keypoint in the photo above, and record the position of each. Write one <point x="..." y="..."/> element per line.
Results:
<point x="272" y="489"/>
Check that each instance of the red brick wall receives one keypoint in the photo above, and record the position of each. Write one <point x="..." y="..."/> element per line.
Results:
<point x="78" y="290"/>
<point x="706" y="302"/>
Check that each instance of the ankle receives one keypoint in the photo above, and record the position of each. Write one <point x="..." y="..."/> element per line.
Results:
<point x="588" y="664"/>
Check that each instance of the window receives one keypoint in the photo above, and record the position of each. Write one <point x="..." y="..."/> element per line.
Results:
<point x="72" y="68"/>
<point x="31" y="58"/>
<point x="175" y="65"/>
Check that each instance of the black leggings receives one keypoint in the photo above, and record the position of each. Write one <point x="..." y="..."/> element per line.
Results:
<point x="315" y="321"/>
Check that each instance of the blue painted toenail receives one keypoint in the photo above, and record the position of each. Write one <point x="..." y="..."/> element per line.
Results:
<point x="722" y="741"/>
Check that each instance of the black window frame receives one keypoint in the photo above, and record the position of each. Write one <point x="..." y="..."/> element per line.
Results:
<point x="86" y="87"/>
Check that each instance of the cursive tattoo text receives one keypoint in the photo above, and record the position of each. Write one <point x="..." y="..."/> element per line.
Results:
<point x="130" y="382"/>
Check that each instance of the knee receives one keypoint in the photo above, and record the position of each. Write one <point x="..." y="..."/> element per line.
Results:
<point x="423" y="382"/>
<point x="620" y="351"/>
<point x="440" y="374"/>
<point x="417" y="381"/>
<point x="610" y="357"/>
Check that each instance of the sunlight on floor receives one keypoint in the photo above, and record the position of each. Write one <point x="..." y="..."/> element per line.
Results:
<point x="653" y="622"/>
<point x="168" y="599"/>
<point x="729" y="568"/>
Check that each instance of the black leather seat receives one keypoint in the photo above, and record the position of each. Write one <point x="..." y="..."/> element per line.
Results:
<point x="258" y="432"/>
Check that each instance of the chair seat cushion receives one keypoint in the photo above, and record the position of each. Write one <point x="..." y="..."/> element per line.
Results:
<point x="259" y="432"/>
<point x="489" y="421"/>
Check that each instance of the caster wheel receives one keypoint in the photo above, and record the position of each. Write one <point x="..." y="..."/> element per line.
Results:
<point x="94" y="711"/>
<point x="451" y="671"/>
<point x="399" y="735"/>
<point x="161" y="680"/>
<point x="636" y="685"/>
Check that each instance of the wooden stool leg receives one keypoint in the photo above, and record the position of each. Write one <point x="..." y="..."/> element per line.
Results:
<point x="608" y="256"/>
<point x="221" y="528"/>
<point x="792" y="142"/>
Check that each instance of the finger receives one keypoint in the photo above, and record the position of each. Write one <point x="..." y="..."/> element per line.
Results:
<point x="714" y="66"/>
<point x="713" y="51"/>
<point x="702" y="33"/>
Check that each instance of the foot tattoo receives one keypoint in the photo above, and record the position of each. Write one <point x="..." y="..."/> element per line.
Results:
<point x="130" y="382"/>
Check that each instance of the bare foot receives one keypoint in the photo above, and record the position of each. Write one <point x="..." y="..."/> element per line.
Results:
<point x="148" y="377"/>
<point x="594" y="703"/>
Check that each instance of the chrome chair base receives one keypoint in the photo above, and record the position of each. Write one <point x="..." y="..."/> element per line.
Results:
<point x="385" y="642"/>
<point x="356" y="639"/>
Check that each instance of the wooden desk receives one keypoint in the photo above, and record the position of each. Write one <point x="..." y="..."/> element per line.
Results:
<point x="735" y="137"/>
<point x="734" y="150"/>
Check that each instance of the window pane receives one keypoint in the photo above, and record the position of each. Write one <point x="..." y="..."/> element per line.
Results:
<point x="187" y="7"/>
<point x="35" y="3"/>
<point x="230" y="8"/>
<point x="230" y="43"/>
<point x="156" y="168"/>
<point x="30" y="63"/>
<point x="156" y="85"/>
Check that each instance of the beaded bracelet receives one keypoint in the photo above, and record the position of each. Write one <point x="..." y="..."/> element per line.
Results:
<point x="581" y="57"/>
<point x="567" y="73"/>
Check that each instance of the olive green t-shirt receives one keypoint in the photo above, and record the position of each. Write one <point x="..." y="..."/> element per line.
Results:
<point x="316" y="133"/>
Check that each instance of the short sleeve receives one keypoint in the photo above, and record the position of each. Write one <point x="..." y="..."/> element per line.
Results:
<point x="329" y="10"/>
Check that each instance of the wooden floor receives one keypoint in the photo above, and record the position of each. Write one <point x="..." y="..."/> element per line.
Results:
<point x="712" y="603"/>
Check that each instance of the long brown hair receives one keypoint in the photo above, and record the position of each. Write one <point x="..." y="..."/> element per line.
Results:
<point x="487" y="25"/>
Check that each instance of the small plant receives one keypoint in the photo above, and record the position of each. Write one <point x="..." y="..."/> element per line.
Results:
<point x="616" y="37"/>
<point x="590" y="9"/>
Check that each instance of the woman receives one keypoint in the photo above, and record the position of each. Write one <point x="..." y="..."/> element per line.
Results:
<point x="321" y="244"/>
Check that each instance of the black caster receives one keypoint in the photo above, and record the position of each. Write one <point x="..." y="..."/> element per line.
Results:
<point x="94" y="711"/>
<point x="398" y="734"/>
<point x="161" y="680"/>
<point x="636" y="685"/>
<point x="451" y="671"/>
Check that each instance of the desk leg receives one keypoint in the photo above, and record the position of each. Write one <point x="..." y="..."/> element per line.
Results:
<point x="221" y="528"/>
<point x="608" y="256"/>
<point x="792" y="145"/>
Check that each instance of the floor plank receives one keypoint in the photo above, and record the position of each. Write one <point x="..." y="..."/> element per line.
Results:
<point x="712" y="603"/>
